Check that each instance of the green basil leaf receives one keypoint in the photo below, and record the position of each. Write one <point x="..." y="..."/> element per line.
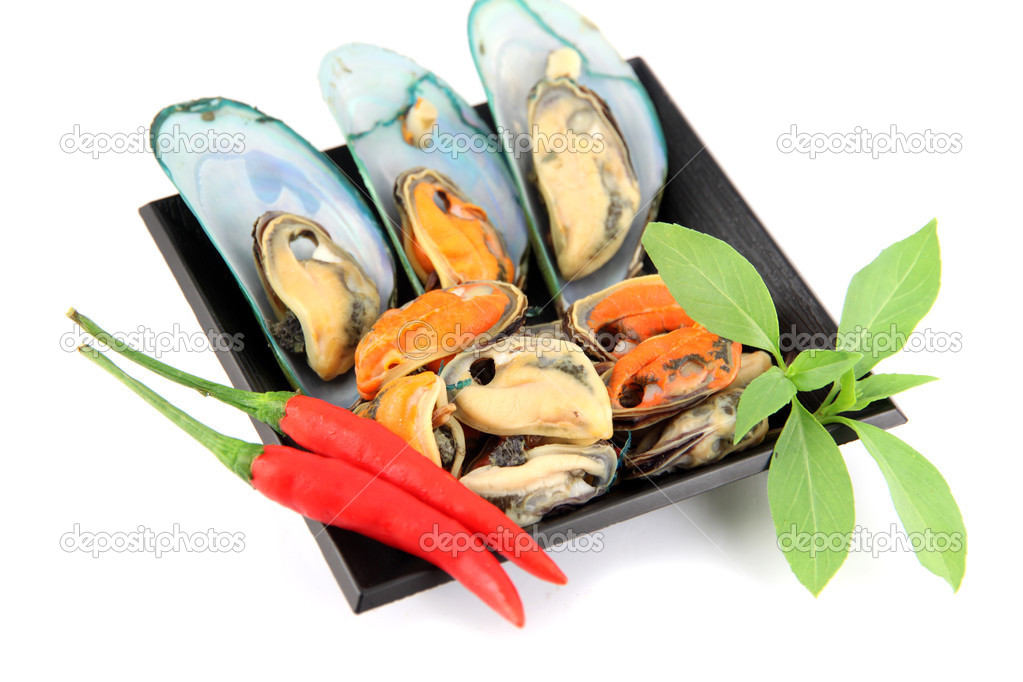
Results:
<point x="816" y="368"/>
<point x="715" y="285"/>
<point x="878" y="386"/>
<point x="923" y="500"/>
<point x="846" y="397"/>
<point x="811" y="498"/>
<point x="887" y="299"/>
<point x="764" y="396"/>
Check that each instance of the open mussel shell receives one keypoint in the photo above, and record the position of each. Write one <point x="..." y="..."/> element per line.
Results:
<point x="397" y="116"/>
<point x="511" y="42"/>
<point x="669" y="372"/>
<point x="543" y="478"/>
<point x="699" y="435"/>
<point x="448" y="239"/>
<point x="522" y="385"/>
<point x="434" y="326"/>
<point x="613" y="321"/>
<point x="232" y="163"/>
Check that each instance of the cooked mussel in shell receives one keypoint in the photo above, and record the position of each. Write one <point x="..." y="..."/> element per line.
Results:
<point x="611" y="322"/>
<point x="582" y="168"/>
<point x="447" y="238"/>
<point x="667" y="373"/>
<point x="416" y="408"/>
<point x="522" y="385"/>
<point x="324" y="303"/>
<point x="528" y="483"/>
<point x="433" y="326"/>
<point x="700" y="435"/>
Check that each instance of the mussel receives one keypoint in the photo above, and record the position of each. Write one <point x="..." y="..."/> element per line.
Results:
<point x="447" y="238"/>
<point x="416" y="408"/>
<point x="324" y="303"/>
<point x="751" y="365"/>
<point x="667" y="373"/>
<point x="528" y="483"/>
<point x="611" y="322"/>
<point x="522" y="385"/>
<point x="542" y="55"/>
<point x="433" y="326"/>
<point x="582" y="167"/>
<point x="400" y="119"/>
<point x="701" y="434"/>
<point x="260" y="164"/>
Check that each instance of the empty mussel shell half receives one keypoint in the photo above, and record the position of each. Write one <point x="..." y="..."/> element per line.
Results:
<point x="523" y="385"/>
<point x="434" y="326"/>
<point x="528" y="483"/>
<point x="233" y="163"/>
<point x="397" y="116"/>
<point x="582" y="136"/>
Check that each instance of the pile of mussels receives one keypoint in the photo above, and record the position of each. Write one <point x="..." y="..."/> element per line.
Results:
<point x="531" y="418"/>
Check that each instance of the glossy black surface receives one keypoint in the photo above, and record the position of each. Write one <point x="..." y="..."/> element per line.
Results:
<point x="700" y="196"/>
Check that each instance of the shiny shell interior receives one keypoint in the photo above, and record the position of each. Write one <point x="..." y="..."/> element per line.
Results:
<point x="258" y="164"/>
<point x="396" y="116"/>
<point x="511" y="41"/>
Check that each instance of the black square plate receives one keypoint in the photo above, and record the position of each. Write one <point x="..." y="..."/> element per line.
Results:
<point x="701" y="197"/>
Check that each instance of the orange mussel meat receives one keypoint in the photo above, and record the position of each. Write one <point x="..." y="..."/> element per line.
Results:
<point x="416" y="409"/>
<point x="671" y="371"/>
<point x="435" y="325"/>
<point x="612" y="322"/>
<point x="446" y="236"/>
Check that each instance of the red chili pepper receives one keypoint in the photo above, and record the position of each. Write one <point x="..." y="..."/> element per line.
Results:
<point x="335" y="432"/>
<point x="336" y="493"/>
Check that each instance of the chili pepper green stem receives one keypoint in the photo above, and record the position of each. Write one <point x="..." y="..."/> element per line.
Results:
<point x="265" y="407"/>
<point x="236" y="455"/>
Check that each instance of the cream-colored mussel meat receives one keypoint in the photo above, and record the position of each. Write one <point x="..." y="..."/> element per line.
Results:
<point x="324" y="303"/>
<point x="582" y="167"/>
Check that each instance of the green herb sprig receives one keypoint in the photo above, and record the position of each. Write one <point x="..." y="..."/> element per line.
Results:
<point x="808" y="485"/>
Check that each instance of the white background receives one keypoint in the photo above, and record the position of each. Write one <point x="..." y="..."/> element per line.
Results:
<point x="689" y="590"/>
